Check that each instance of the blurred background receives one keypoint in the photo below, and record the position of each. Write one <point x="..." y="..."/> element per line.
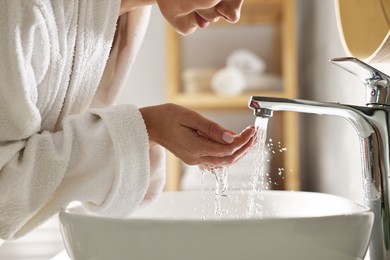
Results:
<point x="326" y="149"/>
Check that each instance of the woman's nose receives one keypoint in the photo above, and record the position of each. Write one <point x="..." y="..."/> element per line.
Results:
<point x="230" y="10"/>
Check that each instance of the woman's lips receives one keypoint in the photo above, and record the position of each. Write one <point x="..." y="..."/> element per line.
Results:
<point x="202" y="23"/>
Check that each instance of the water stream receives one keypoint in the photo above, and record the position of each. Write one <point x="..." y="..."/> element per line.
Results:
<point x="254" y="205"/>
<point x="258" y="178"/>
<point x="221" y="187"/>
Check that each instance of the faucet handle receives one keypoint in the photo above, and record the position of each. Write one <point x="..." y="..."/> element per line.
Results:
<point x="377" y="83"/>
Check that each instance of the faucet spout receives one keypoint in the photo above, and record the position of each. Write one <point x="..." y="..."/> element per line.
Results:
<point x="353" y="115"/>
<point x="372" y="126"/>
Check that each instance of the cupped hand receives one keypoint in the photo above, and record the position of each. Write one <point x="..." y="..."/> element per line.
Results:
<point x="195" y="139"/>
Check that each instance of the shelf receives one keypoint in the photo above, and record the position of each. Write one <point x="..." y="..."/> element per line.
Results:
<point x="211" y="101"/>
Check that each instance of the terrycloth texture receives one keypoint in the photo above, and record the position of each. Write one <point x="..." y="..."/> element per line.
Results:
<point x="122" y="55"/>
<point x="54" y="148"/>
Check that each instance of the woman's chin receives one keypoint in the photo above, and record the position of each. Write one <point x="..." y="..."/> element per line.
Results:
<point x="186" y="31"/>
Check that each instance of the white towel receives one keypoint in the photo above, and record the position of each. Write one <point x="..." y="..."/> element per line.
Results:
<point x="54" y="148"/>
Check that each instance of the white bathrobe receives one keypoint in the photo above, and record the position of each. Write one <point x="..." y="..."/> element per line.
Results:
<point x="62" y="63"/>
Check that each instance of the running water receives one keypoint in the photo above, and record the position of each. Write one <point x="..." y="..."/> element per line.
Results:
<point x="202" y="195"/>
<point x="254" y="205"/>
<point x="258" y="184"/>
<point x="221" y="186"/>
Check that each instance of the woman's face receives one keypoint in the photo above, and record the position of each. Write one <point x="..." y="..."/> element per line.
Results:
<point x="187" y="15"/>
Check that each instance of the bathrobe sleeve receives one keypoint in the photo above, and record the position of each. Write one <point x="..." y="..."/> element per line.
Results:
<point x="101" y="157"/>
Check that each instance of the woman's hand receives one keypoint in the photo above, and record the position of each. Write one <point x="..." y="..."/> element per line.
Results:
<point x="195" y="139"/>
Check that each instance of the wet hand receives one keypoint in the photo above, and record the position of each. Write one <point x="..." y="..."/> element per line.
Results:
<point x="195" y="139"/>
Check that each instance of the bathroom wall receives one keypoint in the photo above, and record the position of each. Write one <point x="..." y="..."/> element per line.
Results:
<point x="330" y="146"/>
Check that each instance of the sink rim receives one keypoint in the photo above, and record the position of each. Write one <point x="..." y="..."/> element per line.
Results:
<point x="76" y="210"/>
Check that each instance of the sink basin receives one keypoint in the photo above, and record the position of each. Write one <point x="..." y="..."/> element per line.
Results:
<point x="183" y="226"/>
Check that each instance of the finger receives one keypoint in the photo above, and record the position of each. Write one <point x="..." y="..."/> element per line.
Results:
<point x="210" y="129"/>
<point x="207" y="147"/>
<point x="211" y="161"/>
<point x="195" y="156"/>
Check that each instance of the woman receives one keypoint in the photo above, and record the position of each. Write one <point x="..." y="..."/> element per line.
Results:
<point x="61" y="139"/>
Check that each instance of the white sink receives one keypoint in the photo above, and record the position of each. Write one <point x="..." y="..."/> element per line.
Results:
<point x="183" y="226"/>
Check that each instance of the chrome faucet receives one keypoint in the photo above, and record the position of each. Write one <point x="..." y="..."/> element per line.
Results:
<point x="372" y="124"/>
